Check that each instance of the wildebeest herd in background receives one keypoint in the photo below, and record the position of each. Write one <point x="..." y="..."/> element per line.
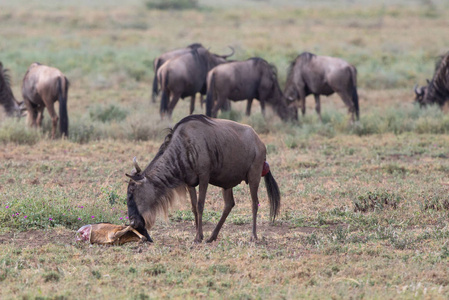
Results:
<point x="185" y="72"/>
<point x="200" y="150"/>
<point x="42" y="86"/>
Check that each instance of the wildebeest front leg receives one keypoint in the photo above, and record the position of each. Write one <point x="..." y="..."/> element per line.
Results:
<point x="32" y="113"/>
<point x="262" y="106"/>
<point x="248" y="107"/>
<point x="200" y="208"/>
<point x="302" y="103"/>
<point x="318" y="106"/>
<point x="192" y="104"/>
<point x="194" y="201"/>
<point x="201" y="100"/>
<point x="229" y="203"/>
<point x="39" y="116"/>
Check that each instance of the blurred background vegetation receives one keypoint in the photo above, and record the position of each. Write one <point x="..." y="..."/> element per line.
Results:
<point x="106" y="49"/>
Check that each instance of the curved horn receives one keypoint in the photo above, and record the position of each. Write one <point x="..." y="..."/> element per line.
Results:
<point x="136" y="166"/>
<point x="232" y="53"/>
<point x="418" y="91"/>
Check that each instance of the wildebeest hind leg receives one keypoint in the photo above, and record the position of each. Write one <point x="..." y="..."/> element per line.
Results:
<point x="347" y="101"/>
<point x="194" y="201"/>
<point x="253" y="188"/>
<point x="54" y="119"/>
<point x="172" y="104"/>
<point x="218" y="104"/>
<point x="228" y="205"/>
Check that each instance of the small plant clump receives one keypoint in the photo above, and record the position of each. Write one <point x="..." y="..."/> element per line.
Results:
<point x="374" y="201"/>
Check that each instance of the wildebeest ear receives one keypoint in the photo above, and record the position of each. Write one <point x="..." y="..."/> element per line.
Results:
<point x="136" y="178"/>
<point x="428" y="81"/>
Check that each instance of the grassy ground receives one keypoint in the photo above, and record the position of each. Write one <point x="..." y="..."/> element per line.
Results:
<point x="364" y="208"/>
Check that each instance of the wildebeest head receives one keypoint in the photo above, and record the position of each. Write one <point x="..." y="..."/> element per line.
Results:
<point x="228" y="55"/>
<point x="437" y="89"/>
<point x="282" y="104"/>
<point x="137" y="190"/>
<point x="7" y="100"/>
<point x="291" y="94"/>
<point x="420" y="93"/>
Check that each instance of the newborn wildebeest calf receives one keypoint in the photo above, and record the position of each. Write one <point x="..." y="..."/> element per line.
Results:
<point x="198" y="151"/>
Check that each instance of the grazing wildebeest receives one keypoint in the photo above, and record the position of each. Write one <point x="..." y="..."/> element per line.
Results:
<point x="42" y="86"/>
<point x="184" y="76"/>
<point x="7" y="99"/>
<point x="437" y="89"/>
<point x="322" y="75"/>
<point x="159" y="61"/>
<point x="200" y="151"/>
<point x="240" y="80"/>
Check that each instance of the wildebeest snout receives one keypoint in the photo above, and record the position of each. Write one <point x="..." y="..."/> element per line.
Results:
<point x="137" y="222"/>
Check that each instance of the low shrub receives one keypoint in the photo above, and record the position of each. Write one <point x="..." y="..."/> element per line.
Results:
<point x="172" y="4"/>
<point x="16" y="131"/>
<point x="107" y="113"/>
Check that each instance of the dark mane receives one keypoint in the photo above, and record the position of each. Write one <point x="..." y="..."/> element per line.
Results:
<point x="258" y="60"/>
<point x="5" y="74"/>
<point x="301" y="59"/>
<point x="195" y="46"/>
<point x="201" y="118"/>
<point x="440" y="60"/>
<point x="168" y="138"/>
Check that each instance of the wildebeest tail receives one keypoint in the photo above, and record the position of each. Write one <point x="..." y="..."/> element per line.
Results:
<point x="155" y="83"/>
<point x="63" y="83"/>
<point x="165" y="96"/>
<point x="355" y="95"/>
<point x="210" y="95"/>
<point x="274" y="196"/>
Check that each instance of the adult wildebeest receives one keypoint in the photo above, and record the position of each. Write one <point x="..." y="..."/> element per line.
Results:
<point x="7" y="99"/>
<point x="322" y="75"/>
<point x="437" y="89"/>
<point x="159" y="61"/>
<point x="184" y="76"/>
<point x="42" y="86"/>
<point x="240" y="80"/>
<point x="200" y="151"/>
